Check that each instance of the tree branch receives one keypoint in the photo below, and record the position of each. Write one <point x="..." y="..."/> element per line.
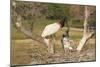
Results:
<point x="29" y="34"/>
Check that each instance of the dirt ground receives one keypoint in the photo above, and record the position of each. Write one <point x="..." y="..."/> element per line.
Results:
<point x="27" y="52"/>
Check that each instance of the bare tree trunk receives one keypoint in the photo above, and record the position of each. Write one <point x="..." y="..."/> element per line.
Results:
<point x="86" y="33"/>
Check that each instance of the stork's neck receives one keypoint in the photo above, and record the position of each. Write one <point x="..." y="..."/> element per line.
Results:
<point x="62" y="22"/>
<point x="60" y="25"/>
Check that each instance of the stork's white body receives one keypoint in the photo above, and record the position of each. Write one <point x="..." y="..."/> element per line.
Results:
<point x="50" y="29"/>
<point x="67" y="43"/>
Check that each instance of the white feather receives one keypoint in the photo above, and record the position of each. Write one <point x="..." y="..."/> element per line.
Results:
<point x="50" y="29"/>
<point x="67" y="43"/>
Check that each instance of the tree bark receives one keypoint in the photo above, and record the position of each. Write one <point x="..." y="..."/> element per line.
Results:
<point x="86" y="33"/>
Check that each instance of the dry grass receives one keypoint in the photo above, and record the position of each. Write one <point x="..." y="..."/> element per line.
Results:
<point x="27" y="51"/>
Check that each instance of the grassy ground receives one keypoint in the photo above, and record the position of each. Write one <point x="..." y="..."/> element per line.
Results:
<point x="26" y="51"/>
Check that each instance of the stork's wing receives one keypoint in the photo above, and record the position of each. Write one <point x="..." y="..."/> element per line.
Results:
<point x="50" y="29"/>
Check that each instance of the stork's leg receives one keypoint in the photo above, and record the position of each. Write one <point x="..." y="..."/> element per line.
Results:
<point x="46" y="40"/>
<point x="53" y="44"/>
<point x="49" y="46"/>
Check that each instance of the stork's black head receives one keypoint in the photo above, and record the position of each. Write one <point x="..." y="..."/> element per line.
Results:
<point x="65" y="34"/>
<point x="63" y="21"/>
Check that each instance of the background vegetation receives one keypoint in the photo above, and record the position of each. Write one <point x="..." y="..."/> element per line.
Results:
<point x="42" y="14"/>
